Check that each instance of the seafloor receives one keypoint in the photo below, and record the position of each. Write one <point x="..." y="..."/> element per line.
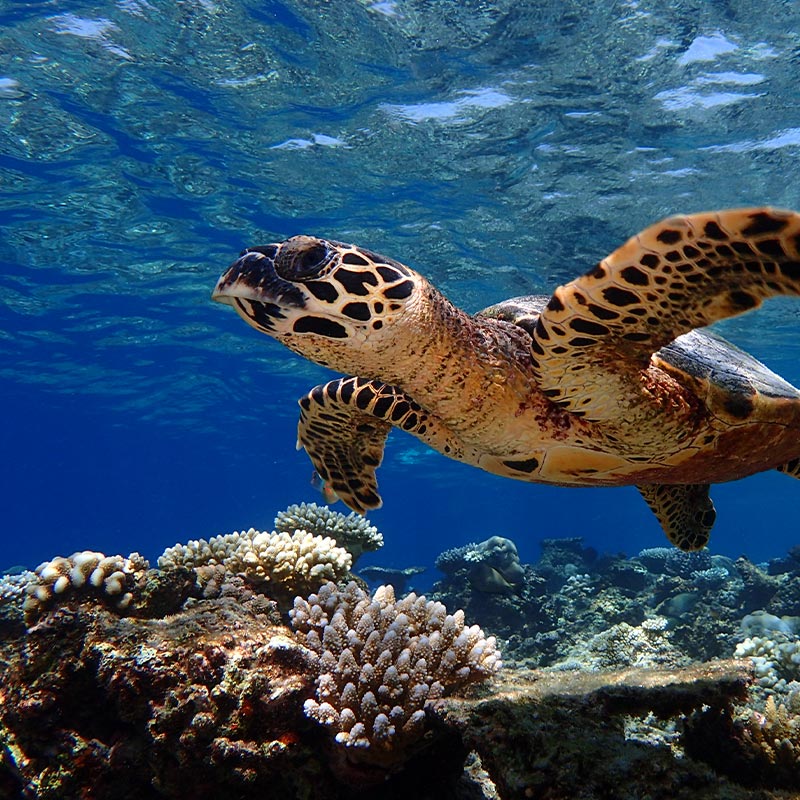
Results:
<point x="260" y="665"/>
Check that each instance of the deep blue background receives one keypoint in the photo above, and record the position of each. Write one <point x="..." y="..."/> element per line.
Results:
<point x="500" y="150"/>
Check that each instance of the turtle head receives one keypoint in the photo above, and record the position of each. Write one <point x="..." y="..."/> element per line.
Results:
<point x="328" y="301"/>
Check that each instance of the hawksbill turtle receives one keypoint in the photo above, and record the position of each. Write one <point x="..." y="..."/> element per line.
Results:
<point x="604" y="383"/>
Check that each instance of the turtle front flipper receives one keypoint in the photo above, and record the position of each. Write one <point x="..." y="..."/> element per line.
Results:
<point x="685" y="512"/>
<point x="343" y="428"/>
<point x="595" y="337"/>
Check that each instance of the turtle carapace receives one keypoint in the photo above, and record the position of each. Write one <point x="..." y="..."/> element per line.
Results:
<point x="604" y="383"/>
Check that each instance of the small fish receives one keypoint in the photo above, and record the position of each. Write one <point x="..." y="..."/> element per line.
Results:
<point x="324" y="488"/>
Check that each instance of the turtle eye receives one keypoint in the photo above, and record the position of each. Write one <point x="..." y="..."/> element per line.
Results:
<point x="301" y="257"/>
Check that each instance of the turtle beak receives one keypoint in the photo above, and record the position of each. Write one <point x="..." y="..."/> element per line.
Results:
<point x="239" y="280"/>
<point x="219" y="296"/>
<point x="252" y="278"/>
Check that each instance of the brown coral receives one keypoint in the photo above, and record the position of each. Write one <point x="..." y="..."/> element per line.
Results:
<point x="774" y="737"/>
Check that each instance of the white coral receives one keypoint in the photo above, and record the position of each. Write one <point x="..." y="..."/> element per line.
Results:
<point x="296" y="562"/>
<point x="625" y="645"/>
<point x="111" y="575"/>
<point x="12" y="587"/>
<point x="351" y="531"/>
<point x="776" y="660"/>
<point x="382" y="660"/>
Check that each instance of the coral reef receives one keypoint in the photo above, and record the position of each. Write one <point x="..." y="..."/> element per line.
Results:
<point x="564" y="557"/>
<point x="579" y="611"/>
<point x="200" y="688"/>
<point x="350" y="531"/>
<point x="209" y="702"/>
<point x="671" y="561"/>
<point x="12" y="593"/>
<point x="572" y="594"/>
<point x="456" y="558"/>
<point x="13" y="585"/>
<point x="564" y="736"/>
<point x="776" y="660"/>
<point x="774" y="740"/>
<point x="113" y="577"/>
<point x="524" y="746"/>
<point x="289" y="563"/>
<point x="395" y="577"/>
<point x="788" y="563"/>
<point x="491" y="566"/>
<point x="624" y="645"/>
<point x="556" y="603"/>
<point x="196" y="684"/>
<point x="209" y="697"/>
<point x="754" y="748"/>
<point x="381" y="661"/>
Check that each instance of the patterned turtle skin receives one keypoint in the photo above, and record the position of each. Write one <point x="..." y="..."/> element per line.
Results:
<point x="604" y="383"/>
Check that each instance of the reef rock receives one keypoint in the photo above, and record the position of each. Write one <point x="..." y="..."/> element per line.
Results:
<point x="572" y="736"/>
<point x="209" y="702"/>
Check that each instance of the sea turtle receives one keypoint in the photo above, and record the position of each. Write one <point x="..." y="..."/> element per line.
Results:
<point x="605" y="383"/>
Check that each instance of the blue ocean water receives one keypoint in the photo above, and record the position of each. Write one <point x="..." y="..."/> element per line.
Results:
<point x="499" y="148"/>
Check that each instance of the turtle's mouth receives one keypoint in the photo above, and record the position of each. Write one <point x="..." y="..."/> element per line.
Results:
<point x="255" y="290"/>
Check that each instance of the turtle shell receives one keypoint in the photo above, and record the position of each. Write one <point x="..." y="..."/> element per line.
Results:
<point x="698" y="356"/>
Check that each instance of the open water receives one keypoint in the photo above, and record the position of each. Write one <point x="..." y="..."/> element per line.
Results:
<point x="499" y="148"/>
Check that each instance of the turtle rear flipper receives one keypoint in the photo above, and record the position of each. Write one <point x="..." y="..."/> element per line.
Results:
<point x="791" y="468"/>
<point x="685" y="512"/>
<point x="343" y="428"/>
<point x="596" y="335"/>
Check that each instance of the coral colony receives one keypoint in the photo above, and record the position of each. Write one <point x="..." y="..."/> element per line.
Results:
<point x="382" y="660"/>
<point x="259" y="664"/>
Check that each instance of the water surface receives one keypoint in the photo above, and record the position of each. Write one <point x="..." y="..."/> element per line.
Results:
<point x="499" y="148"/>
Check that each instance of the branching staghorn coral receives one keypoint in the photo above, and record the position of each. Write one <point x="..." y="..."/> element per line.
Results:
<point x="774" y="738"/>
<point x="111" y="576"/>
<point x="381" y="661"/>
<point x="295" y="563"/>
<point x="351" y="531"/>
